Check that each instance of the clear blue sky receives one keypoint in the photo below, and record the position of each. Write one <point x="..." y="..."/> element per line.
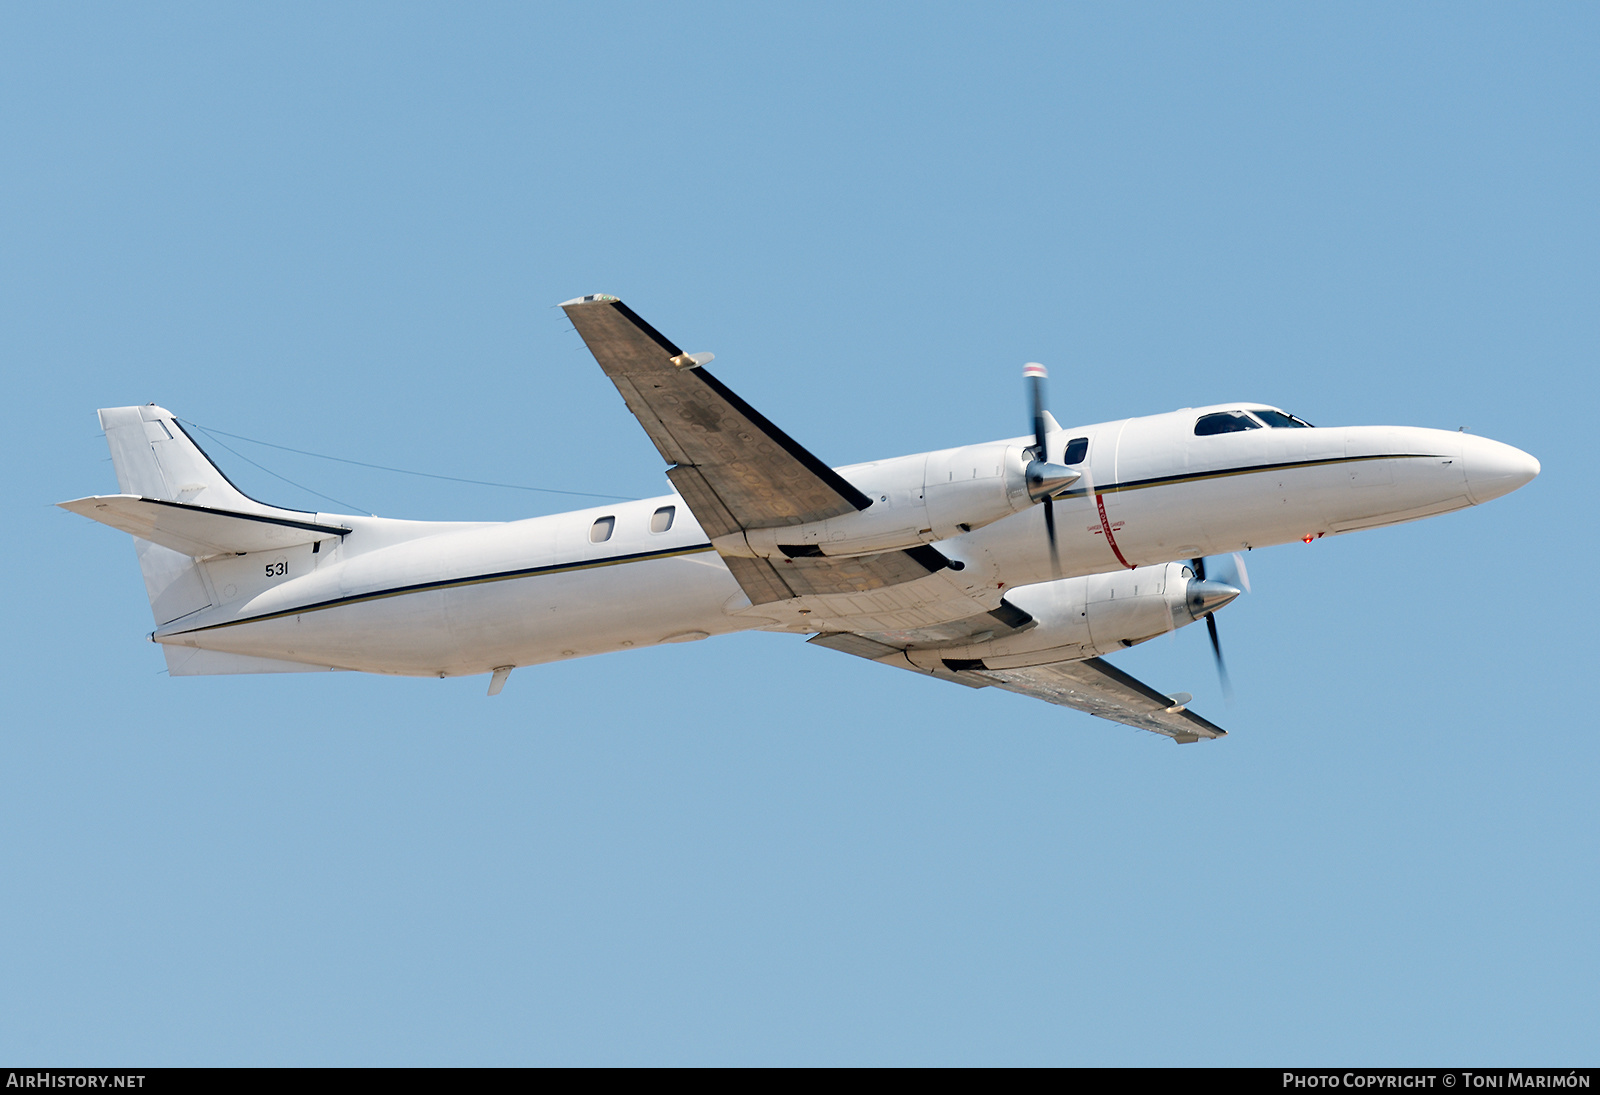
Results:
<point x="345" y="230"/>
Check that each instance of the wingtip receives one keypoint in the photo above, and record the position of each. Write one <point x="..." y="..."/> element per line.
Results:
<point x="592" y="298"/>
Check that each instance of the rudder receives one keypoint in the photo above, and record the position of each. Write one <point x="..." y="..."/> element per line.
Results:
<point x="155" y="457"/>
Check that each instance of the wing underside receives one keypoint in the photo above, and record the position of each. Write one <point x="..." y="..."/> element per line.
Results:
<point x="734" y="468"/>
<point x="1100" y="688"/>
<point x="1091" y="685"/>
<point x="737" y="471"/>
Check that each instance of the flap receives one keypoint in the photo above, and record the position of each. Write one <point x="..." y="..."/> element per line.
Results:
<point x="767" y="580"/>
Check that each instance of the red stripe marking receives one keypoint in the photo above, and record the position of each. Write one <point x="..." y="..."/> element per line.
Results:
<point x="1105" y="527"/>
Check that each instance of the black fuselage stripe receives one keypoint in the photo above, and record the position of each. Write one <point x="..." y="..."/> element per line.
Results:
<point x="1250" y="469"/>
<point x="695" y="549"/>
<point x="456" y="583"/>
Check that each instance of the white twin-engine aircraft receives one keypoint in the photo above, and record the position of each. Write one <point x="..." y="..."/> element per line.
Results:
<point x="1012" y="564"/>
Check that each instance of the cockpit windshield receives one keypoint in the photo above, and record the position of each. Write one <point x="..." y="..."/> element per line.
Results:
<point x="1281" y="420"/>
<point x="1226" y="422"/>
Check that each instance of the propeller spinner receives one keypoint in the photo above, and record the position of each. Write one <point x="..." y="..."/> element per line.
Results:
<point x="1206" y="596"/>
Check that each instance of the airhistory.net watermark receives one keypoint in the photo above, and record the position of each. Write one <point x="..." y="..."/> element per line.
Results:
<point x="44" y="1078"/>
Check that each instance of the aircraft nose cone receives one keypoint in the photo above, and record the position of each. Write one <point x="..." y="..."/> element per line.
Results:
<point x="1208" y="596"/>
<point x="1494" y="469"/>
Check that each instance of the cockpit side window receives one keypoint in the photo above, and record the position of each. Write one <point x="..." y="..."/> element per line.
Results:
<point x="1077" y="449"/>
<point x="1282" y="421"/>
<point x="1225" y="422"/>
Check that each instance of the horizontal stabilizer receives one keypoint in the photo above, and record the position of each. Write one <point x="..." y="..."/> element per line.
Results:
<point x="197" y="530"/>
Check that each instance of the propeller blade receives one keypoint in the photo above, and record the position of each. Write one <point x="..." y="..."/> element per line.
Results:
<point x="1216" y="649"/>
<point x="1240" y="572"/>
<point x="1044" y="478"/>
<point x="1199" y="566"/>
<point x="1050" y="534"/>
<point x="1231" y="569"/>
<point x="1036" y="375"/>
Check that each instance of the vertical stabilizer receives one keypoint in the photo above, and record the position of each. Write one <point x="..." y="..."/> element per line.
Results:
<point x="155" y="458"/>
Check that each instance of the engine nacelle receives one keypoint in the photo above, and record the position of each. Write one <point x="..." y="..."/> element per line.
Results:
<point x="916" y="500"/>
<point x="1088" y="616"/>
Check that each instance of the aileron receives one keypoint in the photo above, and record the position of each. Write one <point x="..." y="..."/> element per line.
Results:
<point x="1100" y="688"/>
<point x="1091" y="685"/>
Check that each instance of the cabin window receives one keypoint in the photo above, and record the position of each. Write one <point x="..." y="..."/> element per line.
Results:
<point x="1226" y="422"/>
<point x="661" y="519"/>
<point x="1077" y="449"/>
<point x="1282" y="421"/>
<point x="600" y="531"/>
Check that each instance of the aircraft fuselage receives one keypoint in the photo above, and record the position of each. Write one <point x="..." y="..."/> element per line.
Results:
<point x="466" y="599"/>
